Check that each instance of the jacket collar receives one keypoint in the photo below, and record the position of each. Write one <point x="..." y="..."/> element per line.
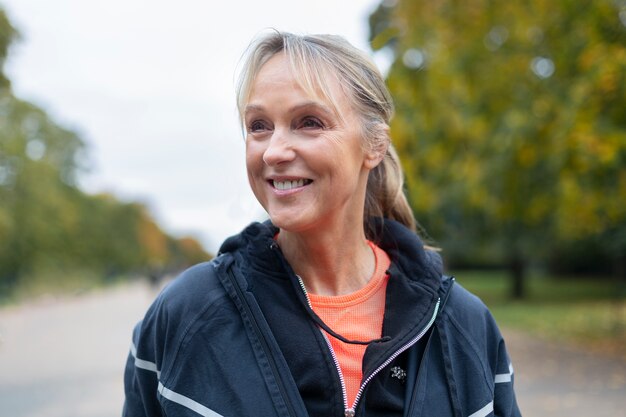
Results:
<point x="412" y="290"/>
<point x="403" y="246"/>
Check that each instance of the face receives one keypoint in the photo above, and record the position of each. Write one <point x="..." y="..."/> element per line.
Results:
<point x="306" y="164"/>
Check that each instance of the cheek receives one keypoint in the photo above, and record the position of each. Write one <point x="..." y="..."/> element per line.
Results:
<point x="254" y="156"/>
<point x="254" y="168"/>
<point x="348" y="157"/>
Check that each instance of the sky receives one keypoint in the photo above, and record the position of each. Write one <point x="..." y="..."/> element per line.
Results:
<point x="149" y="86"/>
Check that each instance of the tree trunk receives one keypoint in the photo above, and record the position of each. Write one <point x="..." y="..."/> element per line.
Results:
<point x="517" y="268"/>
<point x="619" y="315"/>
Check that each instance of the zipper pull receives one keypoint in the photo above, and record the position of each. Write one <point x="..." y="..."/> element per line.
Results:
<point x="349" y="412"/>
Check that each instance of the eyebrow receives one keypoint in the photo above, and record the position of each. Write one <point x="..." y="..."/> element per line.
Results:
<point x="307" y="104"/>
<point x="312" y="104"/>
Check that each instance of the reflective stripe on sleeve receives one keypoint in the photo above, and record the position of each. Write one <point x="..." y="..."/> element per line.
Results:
<point x="169" y="394"/>
<point x="483" y="412"/>
<point x="143" y="364"/>
<point x="187" y="402"/>
<point x="501" y="378"/>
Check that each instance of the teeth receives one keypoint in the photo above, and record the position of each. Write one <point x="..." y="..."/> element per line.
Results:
<point x="288" y="185"/>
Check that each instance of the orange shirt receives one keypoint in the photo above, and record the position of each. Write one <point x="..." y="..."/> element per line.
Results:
<point x="356" y="316"/>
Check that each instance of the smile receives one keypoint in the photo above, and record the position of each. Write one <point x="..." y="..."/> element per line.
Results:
<point x="288" y="185"/>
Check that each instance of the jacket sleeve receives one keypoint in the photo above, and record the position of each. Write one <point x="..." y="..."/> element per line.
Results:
<point x="479" y="366"/>
<point x="504" y="402"/>
<point x="500" y="368"/>
<point x="141" y="378"/>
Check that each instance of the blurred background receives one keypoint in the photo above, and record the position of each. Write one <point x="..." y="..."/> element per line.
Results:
<point x="121" y="163"/>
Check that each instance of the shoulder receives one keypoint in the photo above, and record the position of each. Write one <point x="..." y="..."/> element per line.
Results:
<point x="187" y="299"/>
<point x="474" y="354"/>
<point x="468" y="322"/>
<point x="191" y="292"/>
<point x="464" y="305"/>
<point x="193" y="284"/>
<point x="193" y="301"/>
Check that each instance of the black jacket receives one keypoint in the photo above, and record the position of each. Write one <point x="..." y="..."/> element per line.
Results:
<point x="236" y="337"/>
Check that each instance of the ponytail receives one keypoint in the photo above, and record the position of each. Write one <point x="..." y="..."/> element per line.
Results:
<point x="385" y="196"/>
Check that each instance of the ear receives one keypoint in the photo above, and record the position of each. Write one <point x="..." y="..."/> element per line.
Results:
<point x="375" y="155"/>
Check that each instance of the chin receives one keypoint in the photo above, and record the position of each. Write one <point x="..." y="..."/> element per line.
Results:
<point x="287" y="222"/>
<point x="281" y="222"/>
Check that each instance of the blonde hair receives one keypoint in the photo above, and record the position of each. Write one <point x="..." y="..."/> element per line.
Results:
<point x="313" y="58"/>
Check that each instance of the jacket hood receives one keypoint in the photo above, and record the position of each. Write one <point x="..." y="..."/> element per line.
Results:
<point x="403" y="246"/>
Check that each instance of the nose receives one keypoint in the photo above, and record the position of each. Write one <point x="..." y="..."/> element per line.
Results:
<point x="279" y="148"/>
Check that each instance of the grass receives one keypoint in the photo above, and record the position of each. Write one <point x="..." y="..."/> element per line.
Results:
<point x="585" y="311"/>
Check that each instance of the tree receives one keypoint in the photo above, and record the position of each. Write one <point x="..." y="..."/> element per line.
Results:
<point x="7" y="36"/>
<point x="38" y="167"/>
<point x="48" y="226"/>
<point x="511" y="119"/>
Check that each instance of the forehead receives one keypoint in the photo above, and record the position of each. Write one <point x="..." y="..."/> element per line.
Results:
<point x="317" y="81"/>
<point x="276" y="70"/>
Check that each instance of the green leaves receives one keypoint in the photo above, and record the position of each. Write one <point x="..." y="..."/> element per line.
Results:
<point x="513" y="125"/>
<point x="48" y="226"/>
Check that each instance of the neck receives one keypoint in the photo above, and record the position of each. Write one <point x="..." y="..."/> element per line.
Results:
<point x="331" y="261"/>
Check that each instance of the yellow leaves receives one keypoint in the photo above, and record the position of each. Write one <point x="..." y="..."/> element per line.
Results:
<point x="605" y="151"/>
<point x="590" y="56"/>
<point x="515" y="119"/>
<point x="384" y="37"/>
<point x="477" y="129"/>
<point x="591" y="199"/>
<point x="593" y="149"/>
<point x="584" y="211"/>
<point x="527" y="156"/>
<point x="616" y="209"/>
<point x="422" y="196"/>
<point x="400" y="130"/>
<point x="471" y="169"/>
<point x="478" y="197"/>
<point x="605" y="63"/>
<point x="619" y="55"/>
<point x="574" y="213"/>
<point x="192" y="250"/>
<point x="538" y="208"/>
<point x="614" y="206"/>
<point x="609" y="78"/>
<point x="152" y="239"/>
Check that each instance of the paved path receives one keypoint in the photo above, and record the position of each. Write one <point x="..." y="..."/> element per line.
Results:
<point x="562" y="381"/>
<point x="64" y="358"/>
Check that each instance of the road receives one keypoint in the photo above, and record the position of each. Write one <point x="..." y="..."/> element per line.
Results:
<point x="64" y="357"/>
<point x="557" y="380"/>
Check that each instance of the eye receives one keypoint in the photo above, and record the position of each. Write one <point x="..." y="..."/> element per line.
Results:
<point x="311" y="122"/>
<point x="257" y="126"/>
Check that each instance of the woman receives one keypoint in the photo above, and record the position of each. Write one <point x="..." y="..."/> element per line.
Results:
<point x="333" y="307"/>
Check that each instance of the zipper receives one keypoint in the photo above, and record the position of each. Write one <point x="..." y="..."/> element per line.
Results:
<point x="446" y="295"/>
<point x="351" y="411"/>
<point x="265" y="346"/>
<point x="344" y="392"/>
